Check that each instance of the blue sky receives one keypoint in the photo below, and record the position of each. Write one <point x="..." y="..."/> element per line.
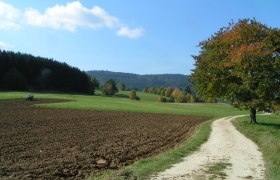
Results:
<point x="143" y="37"/>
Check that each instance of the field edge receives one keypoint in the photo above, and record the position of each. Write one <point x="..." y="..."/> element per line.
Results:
<point x="149" y="166"/>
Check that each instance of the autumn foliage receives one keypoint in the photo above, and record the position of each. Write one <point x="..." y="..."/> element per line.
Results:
<point x="241" y="64"/>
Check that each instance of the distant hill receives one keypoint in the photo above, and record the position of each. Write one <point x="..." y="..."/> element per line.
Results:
<point x="141" y="81"/>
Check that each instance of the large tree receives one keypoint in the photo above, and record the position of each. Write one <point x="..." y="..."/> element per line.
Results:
<point x="240" y="63"/>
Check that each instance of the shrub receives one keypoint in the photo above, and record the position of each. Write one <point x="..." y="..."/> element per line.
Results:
<point x="145" y="90"/>
<point x="109" y="88"/>
<point x="94" y="83"/>
<point x="190" y="98"/>
<point x="162" y="93"/>
<point x="168" y="91"/>
<point x="182" y="99"/>
<point x="159" y="90"/>
<point x="171" y="99"/>
<point x="133" y="95"/>
<point x="211" y="100"/>
<point x="121" y="86"/>
<point x="177" y="93"/>
<point x="161" y="99"/>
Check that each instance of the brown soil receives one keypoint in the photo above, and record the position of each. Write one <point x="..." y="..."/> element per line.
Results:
<point x="63" y="143"/>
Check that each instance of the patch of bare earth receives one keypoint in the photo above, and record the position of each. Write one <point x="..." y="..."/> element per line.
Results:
<point x="63" y="143"/>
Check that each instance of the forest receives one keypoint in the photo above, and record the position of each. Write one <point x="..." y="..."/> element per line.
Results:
<point x="20" y="71"/>
<point x="136" y="81"/>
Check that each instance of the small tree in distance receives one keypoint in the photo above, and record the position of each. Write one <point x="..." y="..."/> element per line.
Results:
<point x="109" y="88"/>
<point x="94" y="84"/>
<point x="133" y="95"/>
<point x="171" y="99"/>
<point x="161" y="99"/>
<point x="121" y="86"/>
<point x="168" y="91"/>
<point x="182" y="99"/>
<point x="176" y="93"/>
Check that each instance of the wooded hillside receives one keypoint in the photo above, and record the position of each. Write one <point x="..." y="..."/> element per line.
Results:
<point x="141" y="81"/>
<point x="23" y="71"/>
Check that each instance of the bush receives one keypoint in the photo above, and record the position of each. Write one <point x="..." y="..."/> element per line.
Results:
<point x="182" y="99"/>
<point x="133" y="96"/>
<point x="145" y="90"/>
<point x="161" y="99"/>
<point x="177" y="93"/>
<point x="162" y="93"/>
<point x="190" y="98"/>
<point x="171" y="99"/>
<point x="94" y="83"/>
<point x="168" y="91"/>
<point x="121" y="86"/>
<point x="109" y="88"/>
<point x="211" y="100"/>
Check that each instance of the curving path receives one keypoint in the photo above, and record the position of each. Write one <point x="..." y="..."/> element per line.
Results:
<point x="225" y="144"/>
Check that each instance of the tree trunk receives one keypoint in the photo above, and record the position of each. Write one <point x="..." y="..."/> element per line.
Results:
<point x="253" y="115"/>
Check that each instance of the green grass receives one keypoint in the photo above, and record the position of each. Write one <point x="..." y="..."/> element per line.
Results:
<point x="143" y="168"/>
<point x="266" y="134"/>
<point x="118" y="103"/>
<point x="217" y="170"/>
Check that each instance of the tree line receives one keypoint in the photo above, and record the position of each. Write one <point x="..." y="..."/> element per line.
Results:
<point x="135" y="81"/>
<point x="169" y="94"/>
<point x="20" y="71"/>
<point x="110" y="88"/>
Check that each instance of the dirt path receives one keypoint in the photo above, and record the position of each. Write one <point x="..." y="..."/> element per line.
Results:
<point x="225" y="145"/>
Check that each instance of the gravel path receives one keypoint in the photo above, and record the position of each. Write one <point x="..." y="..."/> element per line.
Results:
<point x="225" y="145"/>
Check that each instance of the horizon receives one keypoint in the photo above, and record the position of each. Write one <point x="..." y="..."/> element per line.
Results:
<point x="118" y="36"/>
<point x="140" y="74"/>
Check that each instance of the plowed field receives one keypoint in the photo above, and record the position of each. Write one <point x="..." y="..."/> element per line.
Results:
<point x="63" y="143"/>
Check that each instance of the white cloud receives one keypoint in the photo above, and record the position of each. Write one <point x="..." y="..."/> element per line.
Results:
<point x="8" y="16"/>
<point x="71" y="16"/>
<point x="67" y="17"/>
<point x="5" y="46"/>
<point x="130" y="33"/>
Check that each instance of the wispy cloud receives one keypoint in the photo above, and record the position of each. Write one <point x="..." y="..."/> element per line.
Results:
<point x="9" y="16"/>
<point x="71" y="16"/>
<point x="130" y="33"/>
<point x="5" y="46"/>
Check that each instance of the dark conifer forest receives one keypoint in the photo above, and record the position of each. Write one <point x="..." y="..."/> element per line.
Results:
<point x="20" y="71"/>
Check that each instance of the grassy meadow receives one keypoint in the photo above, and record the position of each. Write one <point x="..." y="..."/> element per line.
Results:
<point x="120" y="102"/>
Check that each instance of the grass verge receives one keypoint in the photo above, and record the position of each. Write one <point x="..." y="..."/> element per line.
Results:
<point x="217" y="170"/>
<point x="146" y="167"/>
<point x="266" y="134"/>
